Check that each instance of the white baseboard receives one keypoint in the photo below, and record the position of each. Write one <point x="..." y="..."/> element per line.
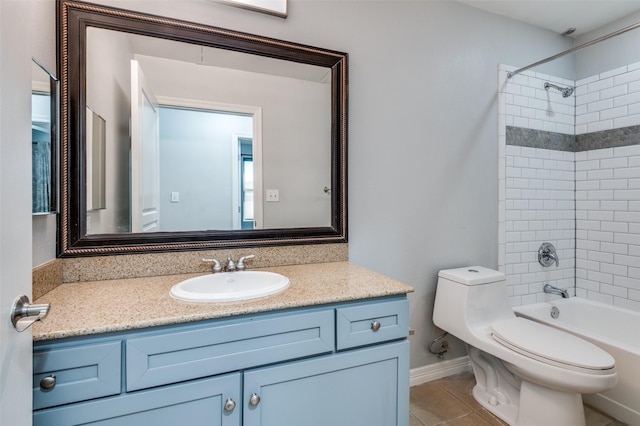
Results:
<point x="439" y="370"/>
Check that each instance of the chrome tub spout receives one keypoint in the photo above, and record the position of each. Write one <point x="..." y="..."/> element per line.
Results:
<point x="555" y="290"/>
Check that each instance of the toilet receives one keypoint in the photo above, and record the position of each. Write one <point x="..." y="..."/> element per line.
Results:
<point x="526" y="373"/>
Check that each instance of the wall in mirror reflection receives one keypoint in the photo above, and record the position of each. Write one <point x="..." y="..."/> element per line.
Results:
<point x="201" y="185"/>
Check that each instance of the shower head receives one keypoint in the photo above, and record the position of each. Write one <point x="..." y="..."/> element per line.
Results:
<point x="566" y="91"/>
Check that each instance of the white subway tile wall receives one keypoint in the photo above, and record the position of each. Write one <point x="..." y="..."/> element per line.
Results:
<point x="608" y="226"/>
<point x="539" y="207"/>
<point x="609" y="100"/>
<point x="606" y="183"/>
<point x="536" y="188"/>
<point x="608" y="191"/>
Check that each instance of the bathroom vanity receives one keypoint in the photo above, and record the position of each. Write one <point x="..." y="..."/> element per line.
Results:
<point x="330" y="350"/>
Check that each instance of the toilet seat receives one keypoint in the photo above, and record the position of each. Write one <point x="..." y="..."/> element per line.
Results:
<point x="551" y="346"/>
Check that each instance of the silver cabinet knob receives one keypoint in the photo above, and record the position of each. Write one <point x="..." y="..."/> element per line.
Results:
<point x="375" y="326"/>
<point x="48" y="383"/>
<point x="254" y="400"/>
<point x="229" y="405"/>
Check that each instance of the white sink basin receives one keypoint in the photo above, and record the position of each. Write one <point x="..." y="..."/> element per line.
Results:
<point x="229" y="286"/>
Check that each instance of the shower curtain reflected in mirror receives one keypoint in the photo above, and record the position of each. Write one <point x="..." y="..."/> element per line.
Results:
<point x="41" y="152"/>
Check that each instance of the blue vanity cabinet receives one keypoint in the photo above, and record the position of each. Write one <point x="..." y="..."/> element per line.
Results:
<point x="344" y="364"/>
<point x="366" y="387"/>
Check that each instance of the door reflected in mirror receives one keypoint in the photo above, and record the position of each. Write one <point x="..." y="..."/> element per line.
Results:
<point x="43" y="139"/>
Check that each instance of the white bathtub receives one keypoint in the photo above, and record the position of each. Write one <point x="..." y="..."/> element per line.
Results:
<point x="615" y="330"/>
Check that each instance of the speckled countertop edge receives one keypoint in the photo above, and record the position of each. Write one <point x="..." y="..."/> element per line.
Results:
<point x="97" y="307"/>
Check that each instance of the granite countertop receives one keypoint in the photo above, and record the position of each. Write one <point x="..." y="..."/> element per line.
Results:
<point x="96" y="307"/>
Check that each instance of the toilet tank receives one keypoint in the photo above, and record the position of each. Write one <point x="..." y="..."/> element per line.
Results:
<point x="472" y="275"/>
<point x="469" y="298"/>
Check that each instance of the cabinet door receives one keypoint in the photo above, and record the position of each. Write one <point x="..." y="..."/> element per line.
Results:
<point x="200" y="402"/>
<point x="367" y="387"/>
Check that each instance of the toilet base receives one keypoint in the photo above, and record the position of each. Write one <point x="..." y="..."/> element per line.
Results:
<point x="520" y="402"/>
<point x="538" y="406"/>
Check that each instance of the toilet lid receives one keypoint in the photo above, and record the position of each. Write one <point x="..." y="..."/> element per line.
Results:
<point x="550" y="345"/>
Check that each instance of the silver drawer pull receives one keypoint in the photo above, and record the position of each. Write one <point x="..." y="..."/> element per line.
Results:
<point x="375" y="326"/>
<point x="230" y="405"/>
<point x="48" y="383"/>
<point x="254" y="400"/>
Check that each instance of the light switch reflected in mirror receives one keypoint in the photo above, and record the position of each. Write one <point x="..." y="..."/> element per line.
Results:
<point x="44" y="146"/>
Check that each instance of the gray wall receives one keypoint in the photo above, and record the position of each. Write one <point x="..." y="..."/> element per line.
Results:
<point x="195" y="161"/>
<point x="423" y="157"/>
<point x="609" y="54"/>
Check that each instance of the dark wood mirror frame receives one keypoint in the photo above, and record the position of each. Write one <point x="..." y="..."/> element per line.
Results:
<point x="73" y="19"/>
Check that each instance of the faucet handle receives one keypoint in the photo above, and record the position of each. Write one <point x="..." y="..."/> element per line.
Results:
<point x="547" y="255"/>
<point x="216" y="264"/>
<point x="230" y="266"/>
<point x="241" y="266"/>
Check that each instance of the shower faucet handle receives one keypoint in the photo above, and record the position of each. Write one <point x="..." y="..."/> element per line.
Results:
<point x="547" y="255"/>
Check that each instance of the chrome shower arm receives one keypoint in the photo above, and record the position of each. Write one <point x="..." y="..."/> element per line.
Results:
<point x="566" y="91"/>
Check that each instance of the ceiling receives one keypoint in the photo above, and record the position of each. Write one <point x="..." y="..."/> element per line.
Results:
<point x="559" y="15"/>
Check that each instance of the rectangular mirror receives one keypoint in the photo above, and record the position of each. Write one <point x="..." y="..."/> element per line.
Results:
<point x="212" y="138"/>
<point x="44" y="139"/>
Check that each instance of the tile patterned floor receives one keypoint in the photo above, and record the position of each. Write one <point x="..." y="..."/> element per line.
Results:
<point x="449" y="402"/>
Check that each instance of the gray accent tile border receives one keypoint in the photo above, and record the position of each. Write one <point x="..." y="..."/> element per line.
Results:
<point x="623" y="136"/>
<point x="530" y="138"/>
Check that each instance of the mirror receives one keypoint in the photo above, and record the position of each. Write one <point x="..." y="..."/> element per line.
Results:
<point x="210" y="138"/>
<point x="44" y="137"/>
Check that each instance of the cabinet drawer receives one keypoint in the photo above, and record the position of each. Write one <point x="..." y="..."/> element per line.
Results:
<point x="200" y="402"/>
<point x="226" y="346"/>
<point x="81" y="372"/>
<point x="372" y="323"/>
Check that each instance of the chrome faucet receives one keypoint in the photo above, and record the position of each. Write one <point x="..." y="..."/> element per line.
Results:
<point x="555" y="290"/>
<point x="231" y="265"/>
<point x="240" y="265"/>
<point x="547" y="255"/>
